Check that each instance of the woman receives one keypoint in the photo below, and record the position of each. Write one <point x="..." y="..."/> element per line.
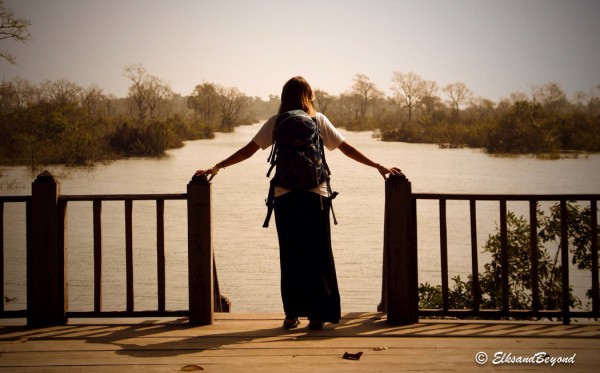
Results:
<point x="308" y="279"/>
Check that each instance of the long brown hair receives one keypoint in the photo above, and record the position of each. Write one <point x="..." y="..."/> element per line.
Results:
<point x="297" y="95"/>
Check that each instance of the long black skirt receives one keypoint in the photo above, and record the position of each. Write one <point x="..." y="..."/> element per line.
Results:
<point x="308" y="280"/>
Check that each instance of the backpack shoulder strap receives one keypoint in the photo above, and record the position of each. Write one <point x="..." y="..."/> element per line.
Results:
<point x="270" y="202"/>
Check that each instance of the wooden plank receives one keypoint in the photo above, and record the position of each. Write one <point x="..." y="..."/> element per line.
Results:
<point x="97" y="222"/>
<point x="444" y="255"/>
<point x="129" y="253"/>
<point x="594" y="248"/>
<point x="160" y="252"/>
<point x="124" y="197"/>
<point x="474" y="252"/>
<point x="504" y="256"/>
<point x="129" y="314"/>
<point x="15" y="198"/>
<point x="533" y="242"/>
<point x="507" y="197"/>
<point x="61" y="239"/>
<point x="564" y="259"/>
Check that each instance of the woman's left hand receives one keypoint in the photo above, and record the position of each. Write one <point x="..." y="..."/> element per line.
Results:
<point x="212" y="172"/>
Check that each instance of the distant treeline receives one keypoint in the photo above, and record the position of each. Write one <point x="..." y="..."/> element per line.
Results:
<point x="545" y="122"/>
<point x="61" y="122"/>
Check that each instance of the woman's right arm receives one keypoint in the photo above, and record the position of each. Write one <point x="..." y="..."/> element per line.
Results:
<point x="241" y="155"/>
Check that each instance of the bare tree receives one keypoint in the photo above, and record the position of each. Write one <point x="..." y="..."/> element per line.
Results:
<point x="551" y="96"/>
<point x="61" y="93"/>
<point x="590" y="99"/>
<point x="137" y="90"/>
<point x="159" y="95"/>
<point x="430" y="98"/>
<point x="365" y="92"/>
<point x="16" y="94"/>
<point x="231" y="103"/>
<point x="12" y="27"/>
<point x="459" y="94"/>
<point x="515" y="97"/>
<point x="91" y="99"/>
<point x="148" y="92"/>
<point x="323" y="100"/>
<point x="409" y="90"/>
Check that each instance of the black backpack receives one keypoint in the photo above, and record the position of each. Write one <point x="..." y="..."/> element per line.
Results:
<point x="298" y="155"/>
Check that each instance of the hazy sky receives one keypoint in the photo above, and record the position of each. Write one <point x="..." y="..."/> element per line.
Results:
<point x="494" y="47"/>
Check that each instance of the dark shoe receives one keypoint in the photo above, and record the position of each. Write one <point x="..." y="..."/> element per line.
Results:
<point x="315" y="325"/>
<point x="291" y="323"/>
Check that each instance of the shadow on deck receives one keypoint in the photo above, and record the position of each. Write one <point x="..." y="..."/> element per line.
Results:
<point x="240" y="342"/>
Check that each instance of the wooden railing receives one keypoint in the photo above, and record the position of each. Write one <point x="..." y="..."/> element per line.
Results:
<point x="47" y="295"/>
<point x="46" y="267"/>
<point x="400" y="292"/>
<point x="128" y="200"/>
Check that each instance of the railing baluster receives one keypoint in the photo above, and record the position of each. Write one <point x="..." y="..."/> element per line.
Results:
<point x="444" y="255"/>
<point x="594" y="248"/>
<point x="160" y="252"/>
<point x="504" y="257"/>
<point x="474" y="259"/>
<point x="97" y="207"/>
<point x="564" y="259"/>
<point x="533" y="242"/>
<point x="129" y="253"/>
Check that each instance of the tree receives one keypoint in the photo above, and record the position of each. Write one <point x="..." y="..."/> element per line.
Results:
<point x="91" y="99"/>
<point x="204" y="102"/>
<point x="159" y="97"/>
<point x="16" y="94"/>
<point x="429" y="99"/>
<point x="409" y="90"/>
<point x="364" y="93"/>
<point x="137" y="90"/>
<point x="323" y="100"/>
<point x="12" y="27"/>
<point x="459" y="94"/>
<point x="148" y="92"/>
<point x="60" y="93"/>
<point x="551" y="96"/>
<point x="231" y="103"/>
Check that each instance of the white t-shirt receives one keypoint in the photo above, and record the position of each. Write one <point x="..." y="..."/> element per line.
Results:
<point x="332" y="138"/>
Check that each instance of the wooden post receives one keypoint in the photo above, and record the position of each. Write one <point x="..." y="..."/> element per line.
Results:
<point x="401" y="297"/>
<point x="46" y="280"/>
<point x="200" y="252"/>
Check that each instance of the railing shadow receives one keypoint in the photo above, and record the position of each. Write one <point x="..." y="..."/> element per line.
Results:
<point x="157" y="338"/>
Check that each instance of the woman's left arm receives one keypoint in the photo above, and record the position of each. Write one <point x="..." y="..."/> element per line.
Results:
<point x="351" y="152"/>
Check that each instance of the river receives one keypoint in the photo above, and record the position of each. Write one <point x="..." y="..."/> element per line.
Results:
<point x="246" y="254"/>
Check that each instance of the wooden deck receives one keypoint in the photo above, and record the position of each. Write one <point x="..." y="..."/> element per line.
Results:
<point x="241" y="342"/>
